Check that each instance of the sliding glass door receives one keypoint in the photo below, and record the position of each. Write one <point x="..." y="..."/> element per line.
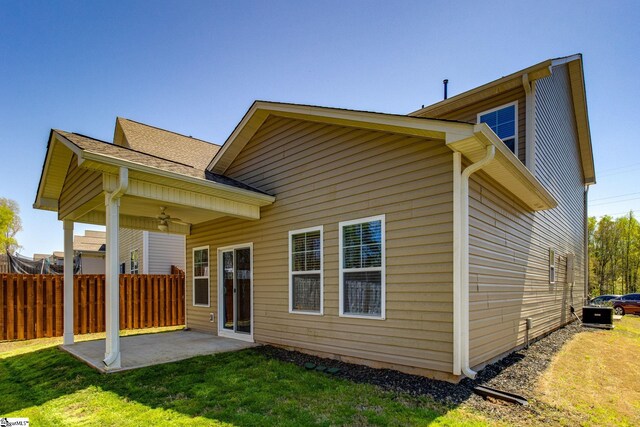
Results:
<point x="235" y="281"/>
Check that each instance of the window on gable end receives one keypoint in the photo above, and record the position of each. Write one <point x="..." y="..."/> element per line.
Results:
<point x="503" y="121"/>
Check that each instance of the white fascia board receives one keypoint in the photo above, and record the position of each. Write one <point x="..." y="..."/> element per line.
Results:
<point x="565" y="60"/>
<point x="54" y="138"/>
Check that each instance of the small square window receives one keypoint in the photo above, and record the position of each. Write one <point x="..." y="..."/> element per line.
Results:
<point x="504" y="122"/>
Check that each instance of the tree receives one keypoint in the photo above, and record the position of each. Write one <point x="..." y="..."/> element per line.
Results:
<point x="10" y="225"/>
<point x="614" y="255"/>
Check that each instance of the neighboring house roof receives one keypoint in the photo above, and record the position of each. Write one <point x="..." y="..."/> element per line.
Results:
<point x="516" y="80"/>
<point x="467" y="138"/>
<point x="164" y="144"/>
<point x="92" y="241"/>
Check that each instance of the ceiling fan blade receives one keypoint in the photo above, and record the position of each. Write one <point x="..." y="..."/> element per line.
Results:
<point x="179" y="221"/>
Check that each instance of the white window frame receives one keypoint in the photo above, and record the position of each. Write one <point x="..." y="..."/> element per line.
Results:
<point x="319" y="228"/>
<point x="552" y="266"/>
<point x="382" y="268"/>
<point x="208" y="276"/>
<point x="137" y="271"/>
<point x="515" y="141"/>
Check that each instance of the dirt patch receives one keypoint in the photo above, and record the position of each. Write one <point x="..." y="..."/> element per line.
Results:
<point x="597" y="375"/>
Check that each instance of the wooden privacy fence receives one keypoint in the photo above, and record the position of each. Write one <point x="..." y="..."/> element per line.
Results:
<point x="32" y="306"/>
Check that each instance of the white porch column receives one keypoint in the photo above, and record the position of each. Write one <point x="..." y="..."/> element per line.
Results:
<point x="68" y="283"/>
<point x="112" y="286"/>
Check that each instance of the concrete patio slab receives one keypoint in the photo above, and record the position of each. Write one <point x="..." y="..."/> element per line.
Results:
<point x="138" y="351"/>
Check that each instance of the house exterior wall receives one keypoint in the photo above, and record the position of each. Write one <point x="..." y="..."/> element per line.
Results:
<point x="164" y="250"/>
<point x="80" y="186"/>
<point x="129" y="240"/>
<point x="93" y="264"/>
<point x="322" y="175"/>
<point x="509" y="246"/>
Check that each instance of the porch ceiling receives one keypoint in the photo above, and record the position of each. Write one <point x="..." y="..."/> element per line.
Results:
<point x="140" y="213"/>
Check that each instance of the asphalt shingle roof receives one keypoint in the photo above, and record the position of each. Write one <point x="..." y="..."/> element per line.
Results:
<point x="97" y="146"/>
<point x="166" y="144"/>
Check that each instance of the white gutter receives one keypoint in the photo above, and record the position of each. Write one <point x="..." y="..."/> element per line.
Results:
<point x="461" y="259"/>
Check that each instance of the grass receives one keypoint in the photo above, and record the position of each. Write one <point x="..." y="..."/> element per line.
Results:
<point x="595" y="378"/>
<point x="592" y="381"/>
<point x="39" y="381"/>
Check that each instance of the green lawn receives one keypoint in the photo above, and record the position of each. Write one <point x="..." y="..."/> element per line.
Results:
<point x="39" y="381"/>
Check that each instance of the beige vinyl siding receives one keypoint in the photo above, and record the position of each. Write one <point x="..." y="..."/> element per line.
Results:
<point x="509" y="246"/>
<point x="470" y="114"/>
<point x="321" y="175"/>
<point x="80" y="186"/>
<point x="165" y="250"/>
<point x="129" y="240"/>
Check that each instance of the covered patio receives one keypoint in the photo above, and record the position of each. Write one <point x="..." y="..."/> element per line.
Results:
<point x="139" y="351"/>
<point x="95" y="182"/>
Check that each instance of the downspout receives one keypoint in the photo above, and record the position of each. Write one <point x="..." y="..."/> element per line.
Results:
<point x="530" y="99"/>
<point x="123" y="185"/>
<point x="461" y="260"/>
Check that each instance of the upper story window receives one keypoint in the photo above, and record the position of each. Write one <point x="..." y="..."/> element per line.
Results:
<point x="503" y="121"/>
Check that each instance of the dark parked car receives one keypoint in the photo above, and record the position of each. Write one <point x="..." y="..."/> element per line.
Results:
<point x="627" y="304"/>
<point x="603" y="300"/>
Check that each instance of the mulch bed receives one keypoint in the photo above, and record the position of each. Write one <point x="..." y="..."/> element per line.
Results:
<point x="516" y="373"/>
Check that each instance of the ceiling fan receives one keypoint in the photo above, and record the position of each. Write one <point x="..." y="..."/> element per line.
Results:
<point x="164" y="219"/>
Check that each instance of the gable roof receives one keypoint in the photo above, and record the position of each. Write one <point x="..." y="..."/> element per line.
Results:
<point x="94" y="241"/>
<point x="394" y="123"/>
<point x="91" y="145"/>
<point x="517" y="79"/>
<point x="62" y="145"/>
<point x="163" y="143"/>
<point x="466" y="138"/>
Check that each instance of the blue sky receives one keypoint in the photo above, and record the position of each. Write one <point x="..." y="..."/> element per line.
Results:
<point x="196" y="66"/>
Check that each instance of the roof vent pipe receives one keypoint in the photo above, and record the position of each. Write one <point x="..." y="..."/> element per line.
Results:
<point x="446" y="83"/>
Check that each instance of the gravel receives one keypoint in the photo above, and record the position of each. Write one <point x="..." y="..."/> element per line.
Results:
<point x="516" y="373"/>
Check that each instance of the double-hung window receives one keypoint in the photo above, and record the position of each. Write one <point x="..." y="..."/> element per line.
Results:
<point x="504" y="122"/>
<point x="201" y="276"/>
<point x="305" y="271"/>
<point x="133" y="262"/>
<point x="362" y="267"/>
